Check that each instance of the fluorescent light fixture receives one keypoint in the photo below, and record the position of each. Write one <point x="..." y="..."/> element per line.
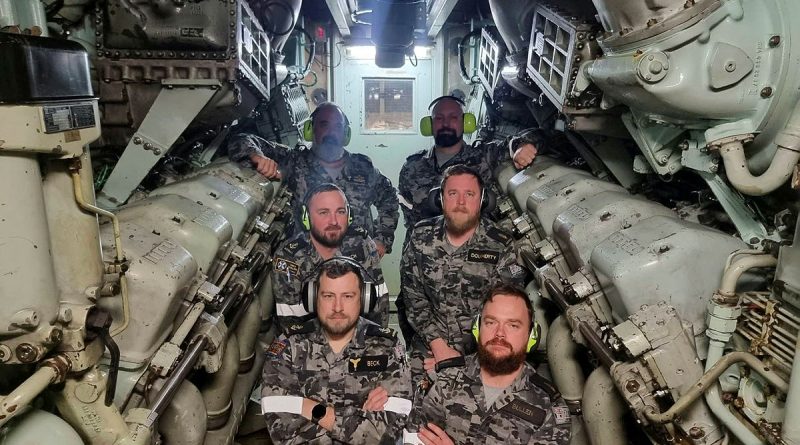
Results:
<point x="360" y="52"/>
<point x="423" y="52"/>
<point x="509" y="70"/>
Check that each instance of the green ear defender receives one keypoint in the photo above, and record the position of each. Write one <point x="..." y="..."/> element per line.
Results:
<point x="533" y="337"/>
<point x="426" y="125"/>
<point x="306" y="220"/>
<point x="308" y="132"/>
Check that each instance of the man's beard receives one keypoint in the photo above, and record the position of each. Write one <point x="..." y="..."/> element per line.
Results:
<point x="341" y="327"/>
<point x="460" y="226"/>
<point x="332" y="241"/>
<point x="446" y="138"/>
<point x="499" y="365"/>
<point x="329" y="150"/>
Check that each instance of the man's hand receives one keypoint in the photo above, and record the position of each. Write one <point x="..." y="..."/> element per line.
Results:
<point x="265" y="166"/>
<point x="376" y="399"/>
<point x="433" y="435"/>
<point x="525" y="154"/>
<point x="381" y="248"/>
<point x="441" y="351"/>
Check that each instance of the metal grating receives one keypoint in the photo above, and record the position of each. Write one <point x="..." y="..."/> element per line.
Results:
<point x="490" y="62"/>
<point x="254" y="51"/>
<point x="771" y="326"/>
<point x="559" y="43"/>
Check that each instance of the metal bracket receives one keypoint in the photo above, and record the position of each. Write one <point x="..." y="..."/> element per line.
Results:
<point x="750" y="229"/>
<point x="176" y="106"/>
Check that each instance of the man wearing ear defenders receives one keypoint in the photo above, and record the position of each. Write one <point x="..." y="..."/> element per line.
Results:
<point x="327" y="161"/>
<point x="326" y="219"/>
<point x="447" y="124"/>
<point x="449" y="263"/>
<point x="496" y="397"/>
<point x="339" y="378"/>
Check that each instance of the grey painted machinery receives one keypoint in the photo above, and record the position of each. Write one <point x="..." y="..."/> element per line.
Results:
<point x="137" y="320"/>
<point x="689" y="330"/>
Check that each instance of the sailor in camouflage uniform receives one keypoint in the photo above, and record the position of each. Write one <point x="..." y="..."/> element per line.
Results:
<point x="327" y="161"/>
<point x="496" y="397"/>
<point x="423" y="170"/>
<point x="329" y="234"/>
<point x="448" y="265"/>
<point x="338" y="378"/>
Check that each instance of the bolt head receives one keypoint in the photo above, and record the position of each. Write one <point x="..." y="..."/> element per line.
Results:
<point x="766" y="92"/>
<point x="774" y="41"/>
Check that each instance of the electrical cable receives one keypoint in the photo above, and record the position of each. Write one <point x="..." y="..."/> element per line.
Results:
<point x="470" y="80"/>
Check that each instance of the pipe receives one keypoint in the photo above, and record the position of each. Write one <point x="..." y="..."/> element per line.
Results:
<point x="23" y="395"/>
<point x="710" y="377"/>
<point x="779" y="170"/>
<point x="562" y="354"/>
<point x="739" y="175"/>
<point x="791" y="427"/>
<point x="730" y="277"/>
<point x="184" y="421"/>
<point x="217" y="394"/>
<point x="185" y="366"/>
<point x="247" y="333"/>
<point x="120" y="256"/>
<point x="714" y="401"/>
<point x="603" y="410"/>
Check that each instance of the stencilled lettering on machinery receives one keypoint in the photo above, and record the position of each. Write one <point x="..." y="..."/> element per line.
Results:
<point x="624" y="242"/>
<point x="543" y="193"/>
<point x="579" y="212"/>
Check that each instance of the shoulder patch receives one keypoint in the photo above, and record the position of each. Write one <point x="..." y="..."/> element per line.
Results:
<point x="282" y="265"/>
<point x="374" y="330"/>
<point x="499" y="235"/>
<point x="300" y="328"/>
<point x="275" y="350"/>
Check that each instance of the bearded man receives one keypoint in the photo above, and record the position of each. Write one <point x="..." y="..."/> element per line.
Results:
<point x="496" y="397"/>
<point x="448" y="266"/>
<point x="325" y="217"/>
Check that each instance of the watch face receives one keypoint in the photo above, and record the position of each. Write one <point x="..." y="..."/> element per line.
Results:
<point x="318" y="411"/>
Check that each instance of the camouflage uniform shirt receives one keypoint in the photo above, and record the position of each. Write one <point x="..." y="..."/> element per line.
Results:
<point x="443" y="288"/>
<point x="421" y="171"/>
<point x="529" y="411"/>
<point x="362" y="183"/>
<point x="302" y="364"/>
<point x="296" y="261"/>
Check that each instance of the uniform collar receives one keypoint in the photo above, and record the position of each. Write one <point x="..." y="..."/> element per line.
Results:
<point x="321" y="170"/>
<point x="480" y="231"/>
<point x="430" y="155"/>
<point x="357" y="342"/>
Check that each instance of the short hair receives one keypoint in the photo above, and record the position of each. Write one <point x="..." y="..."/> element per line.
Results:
<point x="339" y="267"/>
<point x="510" y="290"/>
<point x="457" y="170"/>
<point x="322" y="188"/>
<point x="328" y="104"/>
<point x="455" y="99"/>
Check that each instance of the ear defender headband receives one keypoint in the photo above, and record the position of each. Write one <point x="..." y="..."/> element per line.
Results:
<point x="488" y="197"/>
<point x="533" y="337"/>
<point x="308" y="126"/>
<point x="426" y="123"/>
<point x="369" y="293"/>
<point x="305" y="218"/>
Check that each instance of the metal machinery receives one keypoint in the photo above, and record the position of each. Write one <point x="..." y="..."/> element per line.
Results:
<point x="687" y="331"/>
<point x="135" y="316"/>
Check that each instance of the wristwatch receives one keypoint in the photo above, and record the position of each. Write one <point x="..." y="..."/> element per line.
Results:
<point x="318" y="412"/>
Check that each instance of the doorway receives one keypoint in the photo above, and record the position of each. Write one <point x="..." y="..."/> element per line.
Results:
<point x="384" y="107"/>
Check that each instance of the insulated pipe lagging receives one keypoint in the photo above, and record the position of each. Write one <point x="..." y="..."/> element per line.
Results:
<point x="791" y="427"/>
<point x="217" y="394"/>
